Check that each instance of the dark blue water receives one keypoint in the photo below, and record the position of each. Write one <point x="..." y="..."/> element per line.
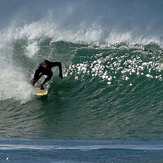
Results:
<point x="108" y="106"/>
<point x="80" y="151"/>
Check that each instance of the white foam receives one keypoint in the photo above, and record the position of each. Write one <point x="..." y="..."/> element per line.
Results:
<point x="13" y="81"/>
<point x="32" y="49"/>
<point x="14" y="84"/>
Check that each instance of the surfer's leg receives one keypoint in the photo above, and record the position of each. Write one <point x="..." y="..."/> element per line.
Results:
<point x="49" y="76"/>
<point x="38" y="74"/>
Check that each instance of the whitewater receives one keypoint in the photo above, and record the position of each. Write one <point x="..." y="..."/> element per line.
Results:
<point x="107" y="107"/>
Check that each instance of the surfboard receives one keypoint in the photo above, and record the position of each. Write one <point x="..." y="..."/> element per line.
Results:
<point x="38" y="91"/>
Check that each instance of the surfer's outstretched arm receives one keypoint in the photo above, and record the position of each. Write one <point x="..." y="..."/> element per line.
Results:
<point x="53" y="64"/>
<point x="60" y="70"/>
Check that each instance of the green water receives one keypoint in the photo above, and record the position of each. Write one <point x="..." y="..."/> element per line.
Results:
<point x="110" y="93"/>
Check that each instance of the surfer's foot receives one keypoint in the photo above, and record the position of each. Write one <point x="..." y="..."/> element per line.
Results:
<point x="33" y="82"/>
<point x="42" y="88"/>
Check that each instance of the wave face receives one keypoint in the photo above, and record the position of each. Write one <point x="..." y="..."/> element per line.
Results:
<point x="112" y="86"/>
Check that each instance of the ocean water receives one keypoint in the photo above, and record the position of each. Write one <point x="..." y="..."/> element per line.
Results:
<point x="109" y="105"/>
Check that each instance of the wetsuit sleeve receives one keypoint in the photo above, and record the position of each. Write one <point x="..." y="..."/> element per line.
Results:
<point x="53" y="64"/>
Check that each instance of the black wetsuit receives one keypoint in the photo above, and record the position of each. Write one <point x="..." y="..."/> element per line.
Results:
<point x="46" y="71"/>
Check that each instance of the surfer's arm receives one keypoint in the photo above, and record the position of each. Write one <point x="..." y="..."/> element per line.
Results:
<point x="53" y="64"/>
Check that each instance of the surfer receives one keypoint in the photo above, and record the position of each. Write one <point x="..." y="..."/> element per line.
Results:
<point x="45" y="69"/>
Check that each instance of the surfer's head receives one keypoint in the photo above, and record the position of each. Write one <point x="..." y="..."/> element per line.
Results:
<point x="45" y="63"/>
